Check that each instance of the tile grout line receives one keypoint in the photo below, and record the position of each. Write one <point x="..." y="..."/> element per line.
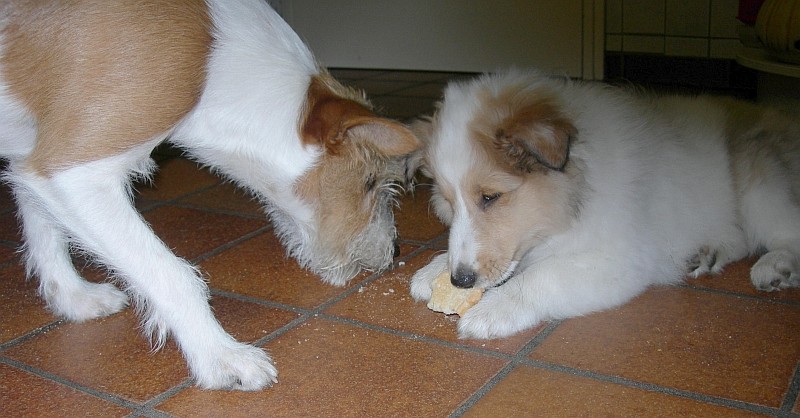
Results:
<point x="790" y="399"/>
<point x="108" y="397"/>
<point x="148" y="413"/>
<point x="483" y="390"/>
<point x="206" y="209"/>
<point x="158" y="399"/>
<point x="515" y="362"/>
<point x="651" y="387"/>
<point x="735" y="294"/>
<point x="417" y="337"/>
<point x="31" y="334"/>
<point x="538" y="339"/>
<point x="230" y="244"/>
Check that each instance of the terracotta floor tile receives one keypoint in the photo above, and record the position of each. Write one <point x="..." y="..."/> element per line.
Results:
<point x="249" y="322"/>
<point x="712" y="344"/>
<point x="109" y="355"/>
<point x="415" y="219"/>
<point x="736" y="278"/>
<point x="528" y="391"/>
<point x="25" y="395"/>
<point x="337" y="370"/>
<point x="9" y="227"/>
<point x="21" y="308"/>
<point x="8" y="255"/>
<point x="191" y="233"/>
<point x="386" y="302"/>
<point x="6" y="198"/>
<point x="112" y="356"/>
<point x="176" y="177"/>
<point x="226" y="197"/>
<point x="259" y="268"/>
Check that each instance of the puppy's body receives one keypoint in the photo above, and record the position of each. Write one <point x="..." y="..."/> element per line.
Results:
<point x="567" y="198"/>
<point x="87" y="89"/>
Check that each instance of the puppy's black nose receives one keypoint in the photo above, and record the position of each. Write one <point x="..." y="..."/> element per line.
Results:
<point x="463" y="277"/>
<point x="396" y="249"/>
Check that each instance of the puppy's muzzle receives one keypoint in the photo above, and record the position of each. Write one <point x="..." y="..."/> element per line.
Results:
<point x="464" y="277"/>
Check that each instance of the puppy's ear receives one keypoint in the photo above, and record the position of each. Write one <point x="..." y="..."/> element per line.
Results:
<point x="330" y="120"/>
<point x="537" y="135"/>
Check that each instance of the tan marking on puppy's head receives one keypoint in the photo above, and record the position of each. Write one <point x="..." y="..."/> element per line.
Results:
<point x="103" y="76"/>
<point x="520" y="186"/>
<point x="352" y="188"/>
<point x="527" y="126"/>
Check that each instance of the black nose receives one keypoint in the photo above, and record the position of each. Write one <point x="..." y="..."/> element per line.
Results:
<point x="396" y="249"/>
<point x="463" y="277"/>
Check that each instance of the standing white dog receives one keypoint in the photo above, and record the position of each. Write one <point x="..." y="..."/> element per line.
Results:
<point x="565" y="198"/>
<point x="89" y="88"/>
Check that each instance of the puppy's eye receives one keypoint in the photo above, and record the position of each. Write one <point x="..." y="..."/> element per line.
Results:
<point x="370" y="183"/>
<point x="488" y="199"/>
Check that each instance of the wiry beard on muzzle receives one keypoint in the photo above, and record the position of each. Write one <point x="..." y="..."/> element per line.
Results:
<point x="372" y="249"/>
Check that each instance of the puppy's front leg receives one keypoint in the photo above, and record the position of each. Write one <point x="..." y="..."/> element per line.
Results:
<point x="92" y="204"/>
<point x="555" y="288"/>
<point x="422" y="279"/>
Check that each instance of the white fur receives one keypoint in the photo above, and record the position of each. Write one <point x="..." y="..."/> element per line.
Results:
<point x="245" y="125"/>
<point x="659" y="190"/>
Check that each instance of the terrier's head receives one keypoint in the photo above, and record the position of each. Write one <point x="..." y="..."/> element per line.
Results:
<point x="351" y="189"/>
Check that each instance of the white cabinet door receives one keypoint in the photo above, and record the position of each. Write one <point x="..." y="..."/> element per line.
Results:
<point x="563" y="36"/>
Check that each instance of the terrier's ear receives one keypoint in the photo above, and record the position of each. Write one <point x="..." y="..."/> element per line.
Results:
<point x="537" y="135"/>
<point x="331" y="119"/>
<point x="422" y="128"/>
<point x="388" y="137"/>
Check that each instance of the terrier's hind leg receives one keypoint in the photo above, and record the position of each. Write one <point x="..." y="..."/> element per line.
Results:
<point x="47" y="257"/>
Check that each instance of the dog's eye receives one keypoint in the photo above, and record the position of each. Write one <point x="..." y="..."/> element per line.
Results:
<point x="488" y="199"/>
<point x="370" y="183"/>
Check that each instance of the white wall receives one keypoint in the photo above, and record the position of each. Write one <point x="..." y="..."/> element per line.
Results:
<point x="453" y="35"/>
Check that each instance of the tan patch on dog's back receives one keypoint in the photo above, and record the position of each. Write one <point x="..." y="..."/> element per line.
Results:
<point x="103" y="76"/>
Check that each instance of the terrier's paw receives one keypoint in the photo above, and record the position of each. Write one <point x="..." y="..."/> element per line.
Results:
<point x="86" y="301"/>
<point x="236" y="366"/>
<point x="422" y="279"/>
<point x="776" y="270"/>
<point x="497" y="315"/>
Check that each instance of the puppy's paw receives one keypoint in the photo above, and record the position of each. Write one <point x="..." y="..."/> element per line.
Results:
<point x="711" y="260"/>
<point x="776" y="270"/>
<point x="422" y="279"/>
<point x="86" y="301"/>
<point x="235" y="366"/>
<point x="497" y="315"/>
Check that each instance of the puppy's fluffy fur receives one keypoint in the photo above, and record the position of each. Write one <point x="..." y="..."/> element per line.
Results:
<point x="88" y="88"/>
<point x="565" y="198"/>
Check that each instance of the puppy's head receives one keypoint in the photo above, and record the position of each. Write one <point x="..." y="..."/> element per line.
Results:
<point x="499" y="153"/>
<point x="351" y="189"/>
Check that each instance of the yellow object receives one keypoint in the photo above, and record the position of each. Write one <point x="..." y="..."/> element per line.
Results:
<point x="449" y="299"/>
<point x="778" y="28"/>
